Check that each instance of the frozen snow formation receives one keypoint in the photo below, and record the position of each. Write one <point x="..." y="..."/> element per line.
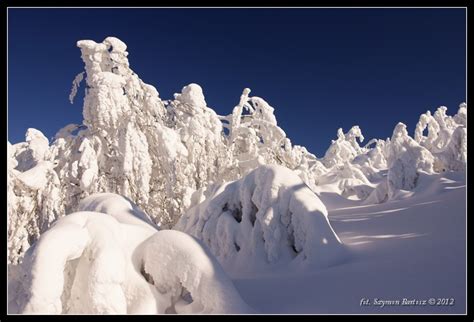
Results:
<point x="381" y="169"/>
<point x="33" y="194"/>
<point x="117" y="206"/>
<point x="166" y="156"/>
<point x="96" y="263"/>
<point x="345" y="148"/>
<point x="269" y="215"/>
<point x="181" y="266"/>
<point x="154" y="152"/>
<point x="446" y="138"/>
<point x="405" y="159"/>
<point x="443" y="149"/>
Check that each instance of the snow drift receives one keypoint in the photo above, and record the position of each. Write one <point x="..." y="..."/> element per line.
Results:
<point x="270" y="215"/>
<point x="95" y="263"/>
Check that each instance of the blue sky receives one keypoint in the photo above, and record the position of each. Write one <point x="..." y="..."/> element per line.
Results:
<point x="320" y="69"/>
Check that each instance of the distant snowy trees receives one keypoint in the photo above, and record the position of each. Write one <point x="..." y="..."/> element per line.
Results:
<point x="446" y="138"/>
<point x="167" y="156"/>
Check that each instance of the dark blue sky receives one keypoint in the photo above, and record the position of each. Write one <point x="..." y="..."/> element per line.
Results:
<point x="320" y="69"/>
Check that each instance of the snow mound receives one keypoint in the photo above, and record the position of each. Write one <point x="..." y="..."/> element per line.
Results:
<point x="192" y="94"/>
<point x="117" y="206"/>
<point x="94" y="263"/>
<point x="268" y="216"/>
<point x="178" y="263"/>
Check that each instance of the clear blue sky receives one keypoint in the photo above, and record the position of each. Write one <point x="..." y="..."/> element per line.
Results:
<point x="320" y="69"/>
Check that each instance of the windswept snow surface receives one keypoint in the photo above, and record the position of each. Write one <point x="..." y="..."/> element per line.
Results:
<point x="412" y="248"/>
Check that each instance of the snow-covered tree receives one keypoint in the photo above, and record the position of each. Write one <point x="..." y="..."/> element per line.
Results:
<point x="33" y="192"/>
<point x="405" y="159"/>
<point x="168" y="156"/>
<point x="446" y="138"/>
<point x="344" y="149"/>
<point x="268" y="216"/>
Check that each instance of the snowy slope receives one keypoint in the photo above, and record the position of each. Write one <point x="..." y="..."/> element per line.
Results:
<point x="413" y="248"/>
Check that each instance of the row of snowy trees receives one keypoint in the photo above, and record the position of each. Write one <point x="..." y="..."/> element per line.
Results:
<point x="166" y="155"/>
<point x="381" y="168"/>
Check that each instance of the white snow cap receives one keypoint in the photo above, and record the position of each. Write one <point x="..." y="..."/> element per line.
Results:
<point x="38" y="144"/>
<point x="37" y="178"/>
<point x="34" y="134"/>
<point x="117" y="206"/>
<point x="115" y="44"/>
<point x="400" y="130"/>
<point x="192" y="94"/>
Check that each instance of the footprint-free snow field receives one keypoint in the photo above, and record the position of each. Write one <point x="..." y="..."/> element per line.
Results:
<point x="404" y="254"/>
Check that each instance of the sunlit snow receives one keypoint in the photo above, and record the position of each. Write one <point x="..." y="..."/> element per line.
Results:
<point x="154" y="206"/>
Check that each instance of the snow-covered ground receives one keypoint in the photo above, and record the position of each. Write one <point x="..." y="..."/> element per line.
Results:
<point x="413" y="248"/>
<point x="406" y="250"/>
